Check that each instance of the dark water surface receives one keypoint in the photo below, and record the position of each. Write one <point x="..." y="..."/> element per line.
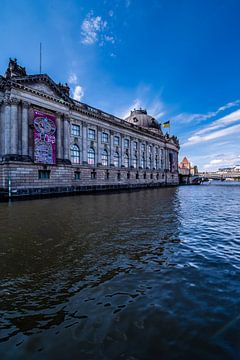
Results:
<point x="153" y="274"/>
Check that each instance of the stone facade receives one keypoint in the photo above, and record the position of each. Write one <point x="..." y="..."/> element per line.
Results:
<point x="94" y="150"/>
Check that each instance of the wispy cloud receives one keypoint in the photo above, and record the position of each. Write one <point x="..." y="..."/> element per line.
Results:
<point x="221" y="123"/>
<point x="196" y="139"/>
<point x="72" y="79"/>
<point x="222" y="160"/>
<point x="77" y="90"/>
<point x="154" y="108"/>
<point x="187" y="118"/>
<point x="94" y="30"/>
<point x="78" y="93"/>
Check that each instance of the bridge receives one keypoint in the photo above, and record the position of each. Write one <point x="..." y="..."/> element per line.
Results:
<point x="220" y="175"/>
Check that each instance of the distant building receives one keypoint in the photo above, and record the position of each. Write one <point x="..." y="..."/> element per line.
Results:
<point x="235" y="168"/>
<point x="185" y="168"/>
<point x="51" y="143"/>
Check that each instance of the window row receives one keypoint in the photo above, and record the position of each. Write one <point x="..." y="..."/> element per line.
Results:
<point x="45" y="175"/>
<point x="152" y="162"/>
<point x="75" y="131"/>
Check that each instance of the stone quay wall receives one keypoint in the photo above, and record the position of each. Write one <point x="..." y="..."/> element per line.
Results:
<point x="18" y="180"/>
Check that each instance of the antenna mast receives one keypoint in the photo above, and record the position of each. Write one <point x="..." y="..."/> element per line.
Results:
<point x="40" y="57"/>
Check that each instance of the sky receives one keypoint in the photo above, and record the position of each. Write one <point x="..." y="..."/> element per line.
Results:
<point x="179" y="59"/>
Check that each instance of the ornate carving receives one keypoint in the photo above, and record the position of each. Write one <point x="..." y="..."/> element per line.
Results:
<point x="25" y="104"/>
<point x="14" y="69"/>
<point x="14" y="101"/>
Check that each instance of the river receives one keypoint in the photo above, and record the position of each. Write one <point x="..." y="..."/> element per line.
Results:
<point x="150" y="274"/>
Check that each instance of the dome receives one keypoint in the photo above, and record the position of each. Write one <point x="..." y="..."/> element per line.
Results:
<point x="141" y="118"/>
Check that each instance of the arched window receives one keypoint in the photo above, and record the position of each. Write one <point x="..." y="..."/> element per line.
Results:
<point x="171" y="162"/>
<point x="116" y="159"/>
<point x="134" y="161"/>
<point x="105" y="158"/>
<point x="150" y="161"/>
<point x="75" y="154"/>
<point x="161" y="158"/>
<point x="91" y="156"/>
<point x="126" y="160"/>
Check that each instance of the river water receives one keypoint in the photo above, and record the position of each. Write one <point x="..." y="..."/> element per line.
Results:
<point x="151" y="274"/>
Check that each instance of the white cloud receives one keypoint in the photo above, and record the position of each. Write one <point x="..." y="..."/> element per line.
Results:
<point x="186" y="118"/>
<point x="78" y="93"/>
<point x="109" y="38"/>
<point x="226" y="160"/>
<point x="154" y="108"/>
<point x="72" y="79"/>
<point x="196" y="139"/>
<point x="93" y="30"/>
<point x="222" y="122"/>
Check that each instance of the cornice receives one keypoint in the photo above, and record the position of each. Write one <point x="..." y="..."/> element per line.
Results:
<point x="88" y="111"/>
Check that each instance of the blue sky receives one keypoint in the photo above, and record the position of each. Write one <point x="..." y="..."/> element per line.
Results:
<point x="177" y="58"/>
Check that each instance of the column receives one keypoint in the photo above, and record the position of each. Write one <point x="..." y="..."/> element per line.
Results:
<point x="122" y="149"/>
<point x="7" y="126"/>
<point x="59" y="136"/>
<point x="25" y="106"/>
<point x="138" y="154"/>
<point x="2" y="129"/>
<point x="66" y="138"/>
<point x="111" y="148"/>
<point x="84" y="143"/>
<point x="14" y="126"/>
<point x="147" y="155"/>
<point x="99" y="141"/>
<point x="131" y="152"/>
<point x="153" y="158"/>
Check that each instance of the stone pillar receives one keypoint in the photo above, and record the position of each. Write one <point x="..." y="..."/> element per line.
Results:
<point x="138" y="154"/>
<point x="66" y="138"/>
<point x="99" y="150"/>
<point x="122" y="149"/>
<point x="131" y="152"/>
<point x="111" y="147"/>
<point x="147" y="155"/>
<point x="59" y="123"/>
<point x="166" y="166"/>
<point x="25" y="127"/>
<point x="153" y="157"/>
<point x="14" y="126"/>
<point x="7" y="126"/>
<point x="2" y="129"/>
<point x="84" y="143"/>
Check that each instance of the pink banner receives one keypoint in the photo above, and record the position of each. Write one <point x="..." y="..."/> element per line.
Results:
<point x="44" y="138"/>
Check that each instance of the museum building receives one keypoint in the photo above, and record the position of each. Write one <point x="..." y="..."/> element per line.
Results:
<point x="51" y="143"/>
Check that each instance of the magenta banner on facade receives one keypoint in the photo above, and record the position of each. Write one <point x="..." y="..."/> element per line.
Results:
<point x="44" y="138"/>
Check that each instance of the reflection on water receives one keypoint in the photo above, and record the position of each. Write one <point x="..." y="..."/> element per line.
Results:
<point x="142" y="275"/>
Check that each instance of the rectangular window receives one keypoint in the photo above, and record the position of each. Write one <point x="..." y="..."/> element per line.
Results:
<point x="75" y="130"/>
<point x="91" y="134"/>
<point x="77" y="175"/>
<point x="126" y="143"/>
<point x="44" y="174"/>
<point x="93" y="175"/>
<point x="104" y="137"/>
<point x="118" y="176"/>
<point x="116" y="140"/>
<point x="107" y="175"/>
<point x="144" y="175"/>
<point x="134" y="145"/>
<point x="128" y="175"/>
<point x="143" y="147"/>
